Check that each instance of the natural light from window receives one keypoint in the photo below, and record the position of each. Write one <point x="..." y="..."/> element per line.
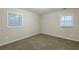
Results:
<point x="14" y="19"/>
<point x="66" y="21"/>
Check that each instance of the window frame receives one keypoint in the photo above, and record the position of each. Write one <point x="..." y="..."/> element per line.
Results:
<point x="17" y="13"/>
<point x="66" y="26"/>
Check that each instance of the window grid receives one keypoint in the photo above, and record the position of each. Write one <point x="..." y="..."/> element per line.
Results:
<point x="14" y="19"/>
<point x="66" y="21"/>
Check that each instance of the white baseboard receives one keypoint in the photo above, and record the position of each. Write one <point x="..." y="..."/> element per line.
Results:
<point x="17" y="39"/>
<point x="36" y="34"/>
<point x="61" y="37"/>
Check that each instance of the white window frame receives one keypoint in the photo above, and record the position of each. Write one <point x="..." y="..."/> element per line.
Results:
<point x="17" y="14"/>
<point x="66" y="26"/>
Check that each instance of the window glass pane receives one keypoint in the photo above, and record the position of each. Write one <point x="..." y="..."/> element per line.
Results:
<point x="14" y="19"/>
<point x="66" y="21"/>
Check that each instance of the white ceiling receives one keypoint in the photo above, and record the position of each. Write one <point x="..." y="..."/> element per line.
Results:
<point x="43" y="10"/>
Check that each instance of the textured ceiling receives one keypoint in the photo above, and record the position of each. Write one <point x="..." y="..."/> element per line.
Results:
<point x="42" y="10"/>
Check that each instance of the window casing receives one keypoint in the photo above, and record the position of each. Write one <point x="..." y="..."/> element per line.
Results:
<point x="14" y="19"/>
<point x="66" y="21"/>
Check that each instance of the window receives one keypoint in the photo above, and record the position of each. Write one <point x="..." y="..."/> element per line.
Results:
<point x="66" y="21"/>
<point x="14" y="19"/>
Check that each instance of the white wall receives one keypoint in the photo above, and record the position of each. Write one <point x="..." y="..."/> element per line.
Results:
<point x="50" y="24"/>
<point x="31" y="26"/>
<point x="0" y="25"/>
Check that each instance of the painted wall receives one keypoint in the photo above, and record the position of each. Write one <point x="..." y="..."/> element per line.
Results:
<point x="31" y="26"/>
<point x="51" y="21"/>
<point x="1" y="31"/>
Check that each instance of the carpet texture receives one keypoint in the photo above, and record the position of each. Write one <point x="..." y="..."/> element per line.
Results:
<point x="42" y="42"/>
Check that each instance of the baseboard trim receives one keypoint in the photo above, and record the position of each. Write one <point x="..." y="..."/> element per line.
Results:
<point x="18" y="39"/>
<point x="34" y="35"/>
<point x="61" y="37"/>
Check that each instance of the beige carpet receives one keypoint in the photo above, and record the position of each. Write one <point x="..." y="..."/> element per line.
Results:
<point x="42" y="42"/>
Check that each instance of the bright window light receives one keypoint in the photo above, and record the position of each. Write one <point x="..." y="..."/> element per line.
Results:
<point x="14" y="19"/>
<point x="66" y="21"/>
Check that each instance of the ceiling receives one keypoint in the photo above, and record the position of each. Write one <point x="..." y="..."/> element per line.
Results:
<point x="42" y="10"/>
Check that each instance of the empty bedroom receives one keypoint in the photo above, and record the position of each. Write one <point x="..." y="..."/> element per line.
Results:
<point x="39" y="29"/>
